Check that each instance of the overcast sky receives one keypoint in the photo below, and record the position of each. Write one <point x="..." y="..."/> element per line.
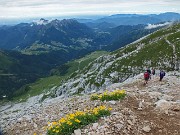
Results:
<point x="50" y="8"/>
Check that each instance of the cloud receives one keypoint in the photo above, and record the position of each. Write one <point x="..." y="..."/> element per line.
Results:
<point x="45" y="8"/>
<point x="153" y="26"/>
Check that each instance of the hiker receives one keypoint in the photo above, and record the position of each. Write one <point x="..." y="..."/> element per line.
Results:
<point x="149" y="71"/>
<point x="161" y="75"/>
<point x="146" y="77"/>
<point x="153" y="71"/>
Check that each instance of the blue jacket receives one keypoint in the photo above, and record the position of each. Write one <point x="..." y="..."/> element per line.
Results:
<point x="162" y="74"/>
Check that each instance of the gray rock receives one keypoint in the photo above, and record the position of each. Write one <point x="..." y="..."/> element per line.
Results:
<point x="141" y="104"/>
<point x="155" y="95"/>
<point x="17" y="132"/>
<point x="95" y="125"/>
<point x="35" y="125"/>
<point x="163" y="105"/>
<point x="96" y="104"/>
<point x="77" y="132"/>
<point x="112" y="102"/>
<point x="146" y="129"/>
<point x="167" y="97"/>
<point x="118" y="126"/>
<point x="130" y="122"/>
<point x="139" y="109"/>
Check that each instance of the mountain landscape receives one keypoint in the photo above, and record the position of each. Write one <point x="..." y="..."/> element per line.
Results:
<point x="32" y="50"/>
<point x="49" y="69"/>
<point x="159" y="50"/>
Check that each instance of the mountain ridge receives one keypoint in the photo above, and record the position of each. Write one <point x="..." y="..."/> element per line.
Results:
<point x="135" y="19"/>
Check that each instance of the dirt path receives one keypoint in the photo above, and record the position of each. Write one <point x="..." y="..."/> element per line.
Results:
<point x="175" y="58"/>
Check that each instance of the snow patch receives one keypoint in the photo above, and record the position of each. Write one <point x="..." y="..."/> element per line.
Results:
<point x="41" y="22"/>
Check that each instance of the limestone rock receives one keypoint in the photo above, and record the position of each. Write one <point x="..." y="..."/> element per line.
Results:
<point x="112" y="102"/>
<point x="95" y="125"/>
<point x="118" y="126"/>
<point x="77" y="132"/>
<point x="146" y="129"/>
<point x="163" y="105"/>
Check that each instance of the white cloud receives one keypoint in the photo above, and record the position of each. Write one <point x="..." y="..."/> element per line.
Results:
<point x="45" y="8"/>
<point x="153" y="26"/>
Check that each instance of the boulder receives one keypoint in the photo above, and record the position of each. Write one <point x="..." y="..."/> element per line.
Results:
<point x="163" y="105"/>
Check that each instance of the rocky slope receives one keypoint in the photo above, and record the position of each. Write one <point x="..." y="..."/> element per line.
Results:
<point x="159" y="49"/>
<point x="152" y="109"/>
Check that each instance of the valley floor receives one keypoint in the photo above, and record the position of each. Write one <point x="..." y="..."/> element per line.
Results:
<point x="153" y="109"/>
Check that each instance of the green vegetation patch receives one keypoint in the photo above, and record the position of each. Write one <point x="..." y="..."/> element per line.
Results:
<point x="43" y="85"/>
<point x="108" y="96"/>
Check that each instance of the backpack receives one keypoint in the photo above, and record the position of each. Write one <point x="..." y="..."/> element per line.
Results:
<point x="146" y="75"/>
<point x="153" y="72"/>
<point x="149" y="71"/>
<point x="162" y="73"/>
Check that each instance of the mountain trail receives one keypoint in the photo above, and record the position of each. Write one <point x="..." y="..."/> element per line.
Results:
<point x="153" y="109"/>
<point x="175" y="58"/>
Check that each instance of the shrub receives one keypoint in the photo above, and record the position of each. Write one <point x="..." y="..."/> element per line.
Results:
<point x="114" y="95"/>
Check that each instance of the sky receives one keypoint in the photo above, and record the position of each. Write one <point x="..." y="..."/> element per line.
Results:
<point x="51" y="8"/>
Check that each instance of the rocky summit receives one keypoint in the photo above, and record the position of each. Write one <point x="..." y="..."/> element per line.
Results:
<point x="153" y="109"/>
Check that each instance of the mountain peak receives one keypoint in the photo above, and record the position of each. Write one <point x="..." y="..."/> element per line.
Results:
<point x="42" y="21"/>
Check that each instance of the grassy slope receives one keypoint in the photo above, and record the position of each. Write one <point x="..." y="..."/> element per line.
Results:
<point x="43" y="85"/>
<point x="154" y="52"/>
<point x="175" y="39"/>
<point x="5" y="62"/>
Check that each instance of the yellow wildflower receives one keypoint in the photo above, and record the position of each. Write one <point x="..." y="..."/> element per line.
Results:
<point x="54" y="123"/>
<point x="100" y="96"/>
<point x="76" y="120"/>
<point x="69" y="123"/>
<point x="62" y="120"/>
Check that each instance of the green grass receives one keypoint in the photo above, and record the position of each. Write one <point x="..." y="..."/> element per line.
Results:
<point x="5" y="61"/>
<point x="43" y="85"/>
<point x="175" y="39"/>
<point x="79" y="64"/>
<point x="157" y="53"/>
<point x="40" y="86"/>
<point x="37" y="49"/>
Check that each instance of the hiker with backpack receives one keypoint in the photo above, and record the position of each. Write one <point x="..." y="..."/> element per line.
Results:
<point x="146" y="77"/>
<point x="153" y="71"/>
<point x="149" y="71"/>
<point x="161" y="75"/>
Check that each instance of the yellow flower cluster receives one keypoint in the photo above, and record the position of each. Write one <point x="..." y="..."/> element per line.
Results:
<point x="75" y="120"/>
<point x="67" y="120"/>
<point x="114" y="95"/>
<point x="98" y="109"/>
